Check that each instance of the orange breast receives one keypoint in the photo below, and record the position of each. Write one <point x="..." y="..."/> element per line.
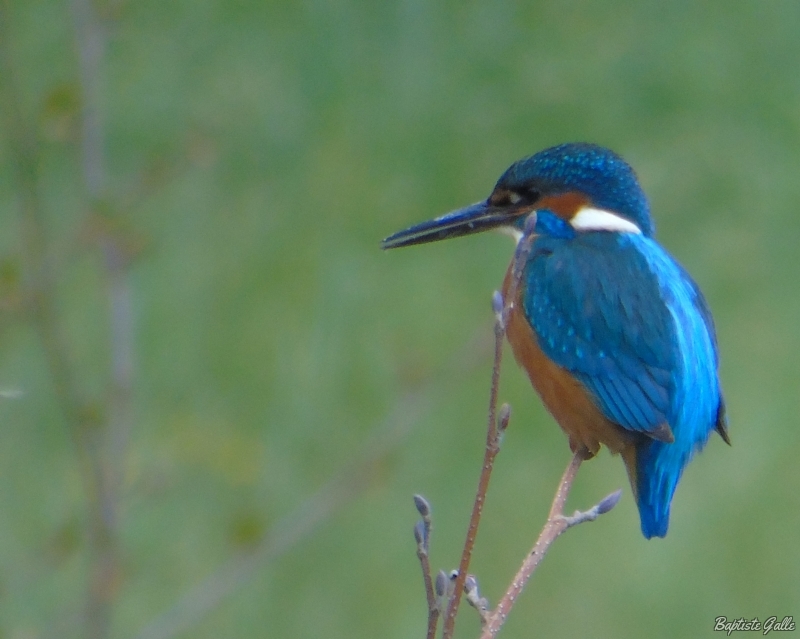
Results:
<point x="564" y="396"/>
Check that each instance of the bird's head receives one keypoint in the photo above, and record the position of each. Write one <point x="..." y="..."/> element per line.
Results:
<point x="573" y="188"/>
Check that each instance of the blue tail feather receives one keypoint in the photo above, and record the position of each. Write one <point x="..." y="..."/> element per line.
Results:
<point x="655" y="487"/>
<point x="659" y="467"/>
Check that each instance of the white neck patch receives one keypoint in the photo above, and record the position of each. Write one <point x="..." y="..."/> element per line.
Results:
<point x="590" y="219"/>
<point x="512" y="232"/>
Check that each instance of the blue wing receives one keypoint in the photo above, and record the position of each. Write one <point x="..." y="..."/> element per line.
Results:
<point x="599" y="307"/>
<point x="627" y="321"/>
<point x="721" y="422"/>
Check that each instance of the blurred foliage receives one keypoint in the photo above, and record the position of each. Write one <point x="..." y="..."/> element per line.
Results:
<point x="258" y="152"/>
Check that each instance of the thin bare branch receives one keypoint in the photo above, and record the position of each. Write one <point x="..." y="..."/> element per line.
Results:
<point x="201" y="600"/>
<point x="91" y="39"/>
<point x="556" y="524"/>
<point x="91" y="42"/>
<point x="502" y="308"/>
<point x="79" y="418"/>
<point x="422" y="535"/>
<point x="489" y="455"/>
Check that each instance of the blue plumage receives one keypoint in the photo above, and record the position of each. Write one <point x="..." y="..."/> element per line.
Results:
<point x="614" y="334"/>
<point x="597" y="172"/>
<point x="626" y="320"/>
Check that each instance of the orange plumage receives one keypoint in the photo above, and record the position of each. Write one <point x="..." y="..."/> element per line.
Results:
<point x="564" y="396"/>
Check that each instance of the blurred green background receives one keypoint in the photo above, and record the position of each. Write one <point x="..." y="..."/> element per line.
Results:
<point x="254" y="154"/>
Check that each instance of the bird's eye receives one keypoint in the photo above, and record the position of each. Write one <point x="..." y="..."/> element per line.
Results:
<point x="513" y="198"/>
<point x="502" y="198"/>
<point x="532" y="194"/>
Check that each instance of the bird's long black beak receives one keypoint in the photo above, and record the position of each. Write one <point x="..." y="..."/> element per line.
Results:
<point x="474" y="218"/>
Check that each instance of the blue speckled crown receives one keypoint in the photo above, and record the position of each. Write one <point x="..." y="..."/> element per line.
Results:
<point x="602" y="175"/>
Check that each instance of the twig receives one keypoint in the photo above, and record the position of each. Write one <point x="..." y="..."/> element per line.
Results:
<point x="90" y="32"/>
<point x="24" y="153"/>
<point x="556" y="524"/>
<point x="501" y="308"/>
<point x="422" y="534"/>
<point x="100" y="467"/>
<point x="489" y="455"/>
<point x="79" y="419"/>
<point x="473" y="596"/>
<point x="91" y="39"/>
<point x="120" y="417"/>
<point x="202" y="599"/>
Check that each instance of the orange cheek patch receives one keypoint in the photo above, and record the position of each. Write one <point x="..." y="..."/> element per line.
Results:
<point x="565" y="205"/>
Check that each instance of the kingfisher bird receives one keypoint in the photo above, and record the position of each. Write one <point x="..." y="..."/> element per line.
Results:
<point x="615" y="336"/>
